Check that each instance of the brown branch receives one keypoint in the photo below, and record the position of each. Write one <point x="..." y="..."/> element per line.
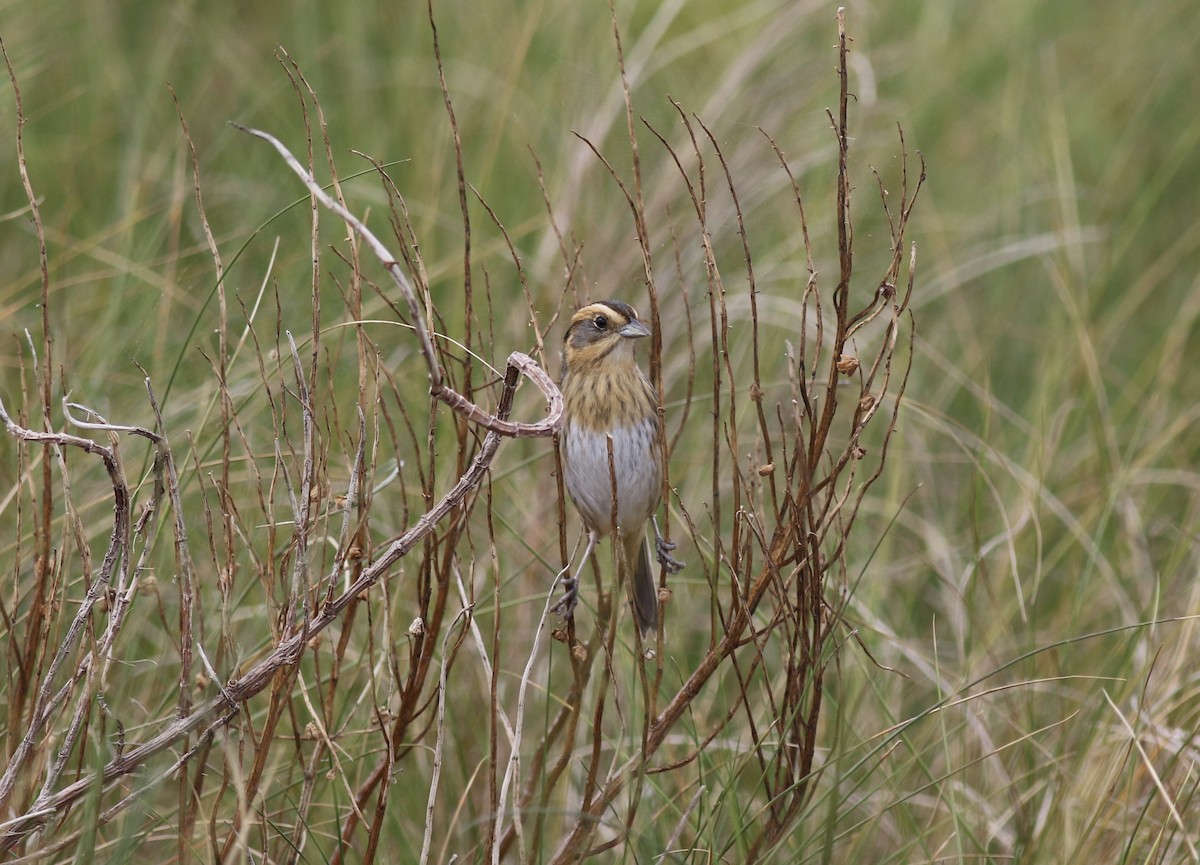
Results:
<point x="44" y="566"/>
<point x="240" y="689"/>
<point x="118" y="547"/>
<point x="438" y="388"/>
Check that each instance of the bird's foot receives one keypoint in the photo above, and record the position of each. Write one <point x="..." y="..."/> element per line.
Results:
<point x="662" y="549"/>
<point x="565" y="606"/>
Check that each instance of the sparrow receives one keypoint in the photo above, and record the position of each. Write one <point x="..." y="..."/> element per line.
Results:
<point x="607" y="398"/>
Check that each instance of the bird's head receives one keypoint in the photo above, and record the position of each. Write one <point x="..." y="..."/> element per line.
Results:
<point x="605" y="329"/>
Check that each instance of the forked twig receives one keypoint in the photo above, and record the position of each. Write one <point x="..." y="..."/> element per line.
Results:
<point x="260" y="676"/>
<point x="523" y="363"/>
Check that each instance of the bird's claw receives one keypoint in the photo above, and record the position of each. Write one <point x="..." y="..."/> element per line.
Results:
<point x="662" y="548"/>
<point x="565" y="606"/>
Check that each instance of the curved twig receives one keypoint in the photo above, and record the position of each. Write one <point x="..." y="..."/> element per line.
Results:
<point x="437" y="386"/>
<point x="258" y="677"/>
<point x="118" y="546"/>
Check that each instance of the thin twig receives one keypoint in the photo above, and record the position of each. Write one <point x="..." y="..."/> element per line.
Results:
<point x="441" y="736"/>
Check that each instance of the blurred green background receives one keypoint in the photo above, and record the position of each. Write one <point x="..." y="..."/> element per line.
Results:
<point x="1044" y="485"/>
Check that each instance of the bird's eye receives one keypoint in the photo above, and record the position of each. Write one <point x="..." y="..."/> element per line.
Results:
<point x="601" y="322"/>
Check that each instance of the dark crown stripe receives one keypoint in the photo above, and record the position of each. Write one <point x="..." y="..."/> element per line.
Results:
<point x="622" y="308"/>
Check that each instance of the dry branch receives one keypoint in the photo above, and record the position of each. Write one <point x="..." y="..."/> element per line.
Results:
<point x="259" y="676"/>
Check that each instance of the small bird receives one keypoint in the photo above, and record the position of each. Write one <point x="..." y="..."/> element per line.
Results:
<point x="606" y="394"/>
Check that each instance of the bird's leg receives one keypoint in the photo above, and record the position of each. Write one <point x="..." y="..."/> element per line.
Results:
<point x="662" y="549"/>
<point x="565" y="606"/>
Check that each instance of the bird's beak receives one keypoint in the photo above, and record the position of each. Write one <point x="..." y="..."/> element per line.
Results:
<point x="634" y="330"/>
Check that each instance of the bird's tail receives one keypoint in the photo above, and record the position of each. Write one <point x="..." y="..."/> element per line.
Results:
<point x="645" y="592"/>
